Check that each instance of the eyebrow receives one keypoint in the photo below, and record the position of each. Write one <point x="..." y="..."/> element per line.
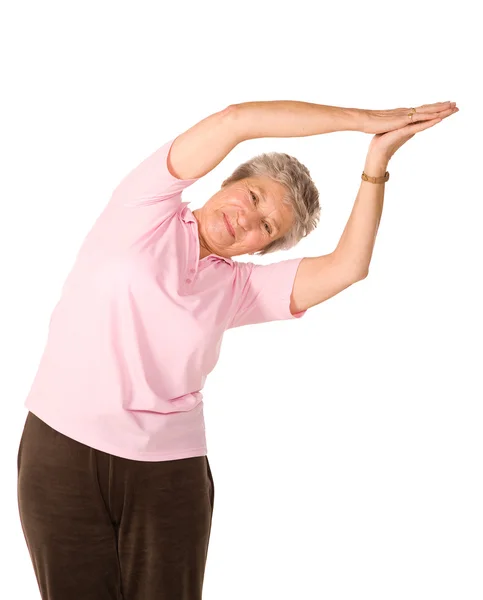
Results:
<point x="261" y="191"/>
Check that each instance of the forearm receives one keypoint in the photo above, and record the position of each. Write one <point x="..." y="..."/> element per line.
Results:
<point x="356" y="244"/>
<point x="291" y="118"/>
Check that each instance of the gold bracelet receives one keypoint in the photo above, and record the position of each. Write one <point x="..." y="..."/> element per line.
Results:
<point x="375" y="179"/>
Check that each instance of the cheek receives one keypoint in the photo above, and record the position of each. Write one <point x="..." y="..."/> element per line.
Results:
<point x="238" y="198"/>
<point x="256" y="238"/>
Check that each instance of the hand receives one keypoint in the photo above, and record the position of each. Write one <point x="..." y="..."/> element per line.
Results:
<point x="384" y="145"/>
<point x="381" y="121"/>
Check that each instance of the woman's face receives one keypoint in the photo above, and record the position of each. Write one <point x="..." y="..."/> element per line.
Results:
<point x="243" y="217"/>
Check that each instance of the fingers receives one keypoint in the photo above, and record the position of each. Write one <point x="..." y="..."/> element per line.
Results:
<point x="428" y="124"/>
<point x="414" y="128"/>
<point x="442" y="113"/>
<point x="432" y="108"/>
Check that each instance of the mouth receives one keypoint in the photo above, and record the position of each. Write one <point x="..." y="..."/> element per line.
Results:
<point x="230" y="229"/>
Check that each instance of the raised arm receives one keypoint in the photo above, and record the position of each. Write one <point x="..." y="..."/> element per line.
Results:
<point x="319" y="278"/>
<point x="201" y="148"/>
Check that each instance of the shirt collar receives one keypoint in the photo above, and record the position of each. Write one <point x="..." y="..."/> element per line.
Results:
<point x="188" y="217"/>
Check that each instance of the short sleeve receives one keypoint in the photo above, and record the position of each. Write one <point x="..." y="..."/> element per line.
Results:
<point x="151" y="181"/>
<point x="146" y="198"/>
<point x="265" y="292"/>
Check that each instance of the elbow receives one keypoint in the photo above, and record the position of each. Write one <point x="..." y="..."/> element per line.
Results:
<point x="361" y="272"/>
<point x="360" y="275"/>
<point x="230" y="110"/>
<point x="236" y="116"/>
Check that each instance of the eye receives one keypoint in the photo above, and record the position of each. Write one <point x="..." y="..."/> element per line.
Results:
<point x="268" y="229"/>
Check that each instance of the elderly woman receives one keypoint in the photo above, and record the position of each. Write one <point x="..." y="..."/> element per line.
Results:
<point x="115" y="490"/>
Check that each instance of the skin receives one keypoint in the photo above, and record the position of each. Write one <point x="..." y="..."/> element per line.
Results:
<point x="201" y="148"/>
<point x="255" y="222"/>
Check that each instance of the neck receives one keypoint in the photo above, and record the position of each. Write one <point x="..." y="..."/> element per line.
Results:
<point x="204" y="250"/>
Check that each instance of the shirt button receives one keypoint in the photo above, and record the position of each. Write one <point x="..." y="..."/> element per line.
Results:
<point x="192" y="271"/>
<point x="188" y="280"/>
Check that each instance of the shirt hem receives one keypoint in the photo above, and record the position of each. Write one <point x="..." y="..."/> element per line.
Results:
<point x="115" y="451"/>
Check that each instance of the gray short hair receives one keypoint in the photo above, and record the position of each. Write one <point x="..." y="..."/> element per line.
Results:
<point x="302" y="195"/>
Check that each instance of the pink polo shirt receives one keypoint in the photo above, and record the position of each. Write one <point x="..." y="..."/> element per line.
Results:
<point x="140" y="322"/>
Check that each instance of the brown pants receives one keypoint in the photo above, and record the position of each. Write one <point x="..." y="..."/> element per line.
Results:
<point x="101" y="527"/>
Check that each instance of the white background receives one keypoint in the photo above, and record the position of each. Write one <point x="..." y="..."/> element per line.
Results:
<point x="346" y="447"/>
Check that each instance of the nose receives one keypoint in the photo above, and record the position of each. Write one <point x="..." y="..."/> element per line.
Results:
<point x="248" y="219"/>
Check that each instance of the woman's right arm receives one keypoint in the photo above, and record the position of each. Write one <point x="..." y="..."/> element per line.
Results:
<point x="201" y="148"/>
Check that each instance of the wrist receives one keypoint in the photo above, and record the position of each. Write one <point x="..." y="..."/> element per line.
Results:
<point x="362" y="117"/>
<point x="356" y="119"/>
<point x="346" y="119"/>
<point x="375" y="166"/>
